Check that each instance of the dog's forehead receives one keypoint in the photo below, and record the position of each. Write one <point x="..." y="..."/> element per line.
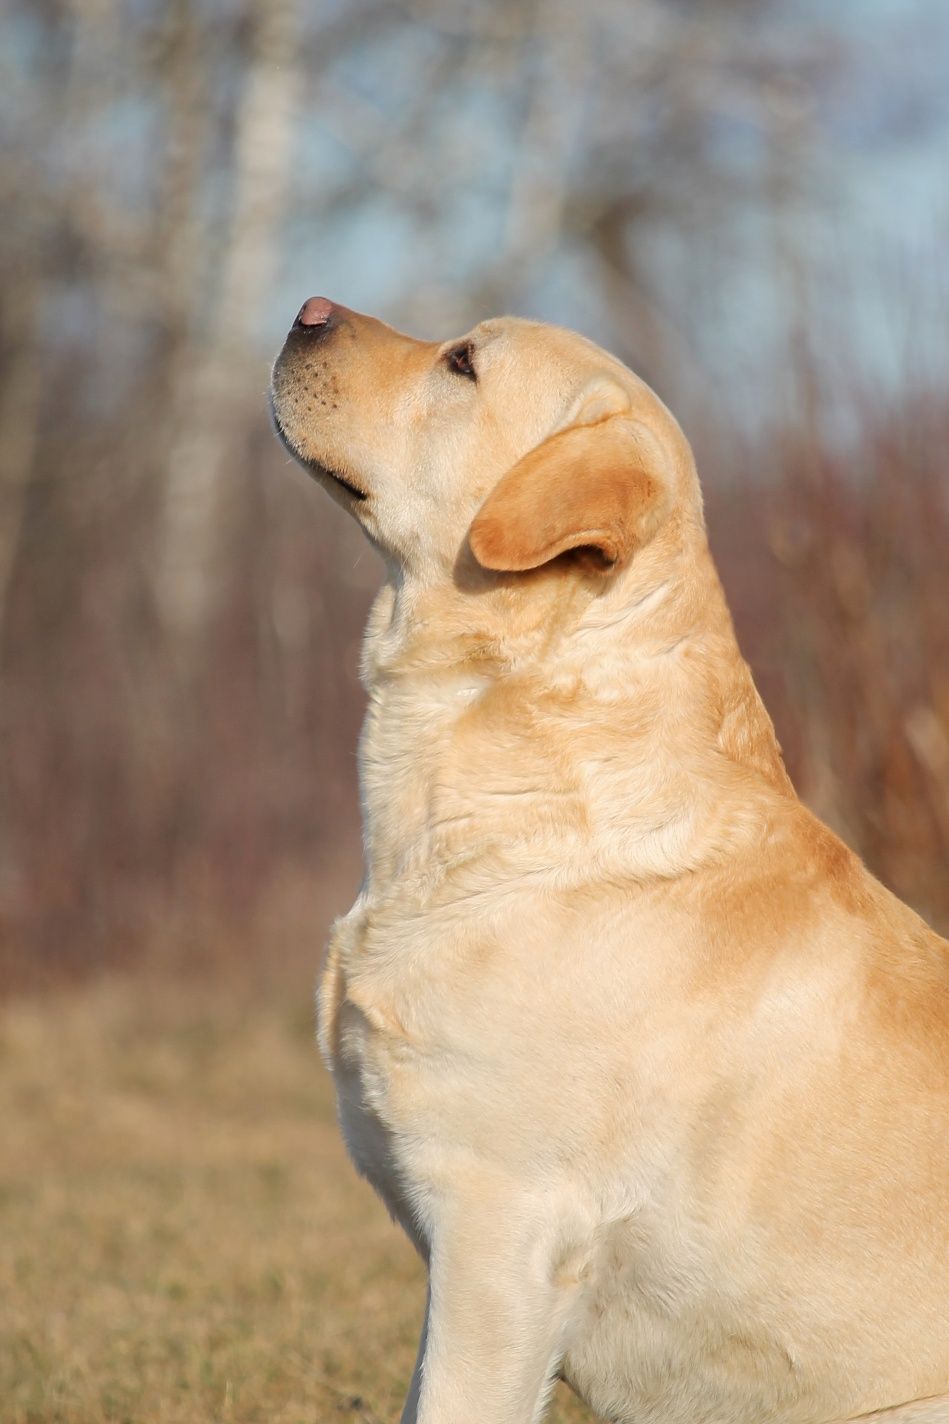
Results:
<point x="536" y="343"/>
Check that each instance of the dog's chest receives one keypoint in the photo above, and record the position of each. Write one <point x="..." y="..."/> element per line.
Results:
<point x="664" y="1327"/>
<point x="395" y="1074"/>
<point x="352" y="1022"/>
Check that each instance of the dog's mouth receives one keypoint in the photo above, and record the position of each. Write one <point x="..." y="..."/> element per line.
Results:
<point x="316" y="467"/>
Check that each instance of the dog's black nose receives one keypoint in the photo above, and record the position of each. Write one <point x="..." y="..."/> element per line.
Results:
<point x="315" y="313"/>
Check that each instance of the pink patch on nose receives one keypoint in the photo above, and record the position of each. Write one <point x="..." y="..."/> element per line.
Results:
<point x="315" y="311"/>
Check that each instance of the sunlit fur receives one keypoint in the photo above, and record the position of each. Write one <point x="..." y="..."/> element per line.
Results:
<point x="654" y="1073"/>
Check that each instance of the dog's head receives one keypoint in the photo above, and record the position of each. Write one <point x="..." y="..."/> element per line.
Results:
<point x="507" y="449"/>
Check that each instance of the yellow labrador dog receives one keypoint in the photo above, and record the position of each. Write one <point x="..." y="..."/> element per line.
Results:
<point x="649" y="1067"/>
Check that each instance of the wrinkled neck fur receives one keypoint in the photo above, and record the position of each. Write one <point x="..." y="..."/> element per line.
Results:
<point x="595" y="703"/>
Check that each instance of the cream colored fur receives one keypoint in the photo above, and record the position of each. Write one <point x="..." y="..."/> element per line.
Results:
<point x="650" y="1068"/>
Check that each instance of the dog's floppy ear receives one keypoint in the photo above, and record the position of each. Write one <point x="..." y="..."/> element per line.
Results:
<point x="598" y="485"/>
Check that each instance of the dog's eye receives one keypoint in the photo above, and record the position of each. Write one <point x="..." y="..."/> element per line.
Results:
<point x="459" y="360"/>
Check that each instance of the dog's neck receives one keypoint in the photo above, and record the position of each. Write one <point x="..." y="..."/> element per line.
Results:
<point x="615" y="716"/>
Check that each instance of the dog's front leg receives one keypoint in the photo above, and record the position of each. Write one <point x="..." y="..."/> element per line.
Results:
<point x="498" y="1309"/>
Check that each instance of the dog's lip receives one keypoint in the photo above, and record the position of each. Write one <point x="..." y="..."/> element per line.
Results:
<point x="315" y="466"/>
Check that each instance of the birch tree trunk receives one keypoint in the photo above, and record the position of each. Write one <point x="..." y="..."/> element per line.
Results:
<point x="207" y="423"/>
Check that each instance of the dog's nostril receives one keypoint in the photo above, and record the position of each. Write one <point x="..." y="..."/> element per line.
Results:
<point x="315" y="312"/>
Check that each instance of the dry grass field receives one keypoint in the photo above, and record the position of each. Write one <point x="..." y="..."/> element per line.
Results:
<point x="181" y="1236"/>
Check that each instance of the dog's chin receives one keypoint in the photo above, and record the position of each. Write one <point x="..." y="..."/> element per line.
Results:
<point x="332" y="480"/>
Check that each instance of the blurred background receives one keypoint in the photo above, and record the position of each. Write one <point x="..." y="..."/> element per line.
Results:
<point x="747" y="201"/>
